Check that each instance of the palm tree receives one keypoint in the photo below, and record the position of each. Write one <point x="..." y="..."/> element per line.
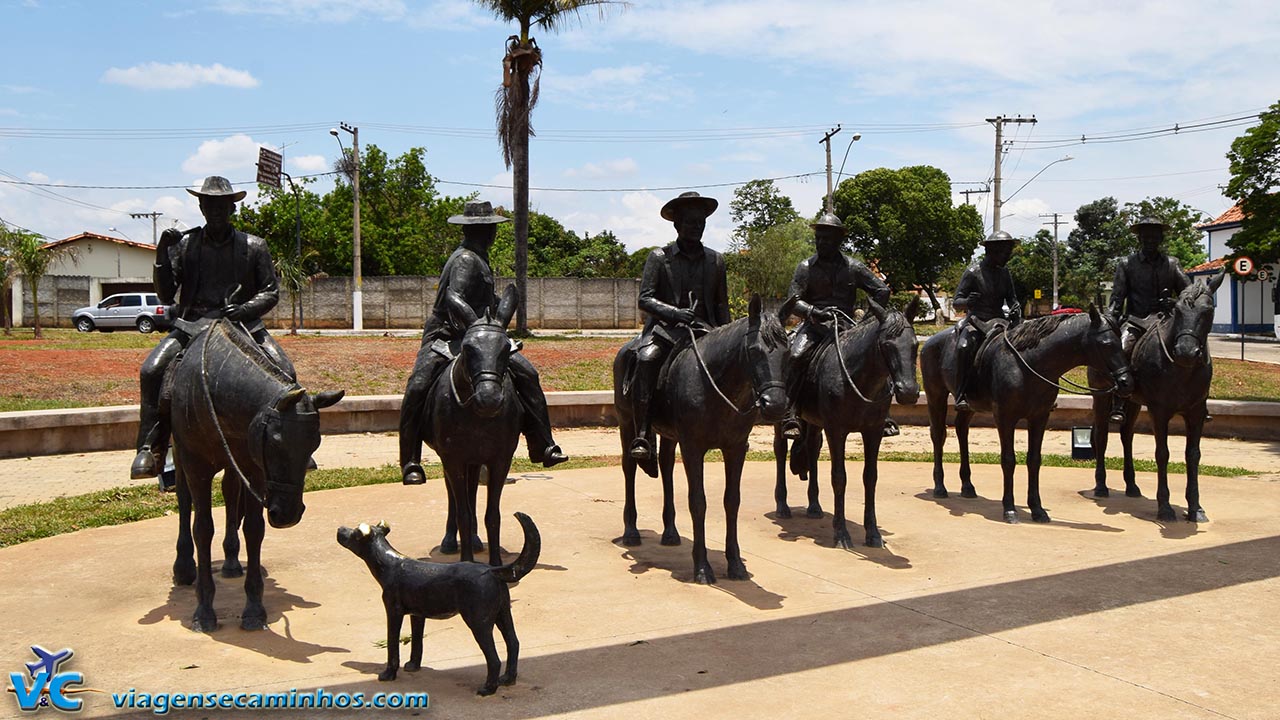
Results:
<point x="32" y="258"/>
<point x="514" y="102"/>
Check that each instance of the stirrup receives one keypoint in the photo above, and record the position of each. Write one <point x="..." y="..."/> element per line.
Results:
<point x="962" y="403"/>
<point x="144" y="464"/>
<point x="1116" y="417"/>
<point x="641" y="449"/>
<point x="413" y="474"/>
<point x="790" y="428"/>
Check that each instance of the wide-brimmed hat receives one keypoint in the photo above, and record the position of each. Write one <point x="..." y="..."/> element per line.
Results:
<point x="1148" y="221"/>
<point x="689" y="201"/>
<point x="216" y="186"/>
<point x="478" y="212"/>
<point x="999" y="236"/>
<point x="828" y="220"/>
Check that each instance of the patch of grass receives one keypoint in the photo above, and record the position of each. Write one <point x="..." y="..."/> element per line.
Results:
<point x="71" y="339"/>
<point x="1046" y="460"/>
<point x="581" y="375"/>
<point x="20" y="403"/>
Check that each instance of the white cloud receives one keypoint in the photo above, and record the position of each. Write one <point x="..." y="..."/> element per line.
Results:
<point x="620" y="89"/>
<point x="217" y="157"/>
<point x="309" y="163"/>
<point x="331" y="11"/>
<point x="611" y="169"/>
<point x="178" y="76"/>
<point x="39" y="177"/>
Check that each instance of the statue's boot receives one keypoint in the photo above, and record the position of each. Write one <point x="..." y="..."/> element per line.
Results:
<point x="795" y="382"/>
<point x="411" y="422"/>
<point x="890" y="428"/>
<point x="1117" y="411"/>
<point x="536" y="429"/>
<point x="964" y="367"/>
<point x="642" y="394"/>
<point x="145" y="463"/>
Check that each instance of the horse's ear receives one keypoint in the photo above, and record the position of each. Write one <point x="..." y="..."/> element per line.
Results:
<point x="382" y="525"/>
<point x="913" y="307"/>
<point x="328" y="398"/>
<point x="289" y="399"/>
<point x="1216" y="281"/>
<point x="508" y="304"/>
<point x="1094" y="316"/>
<point x="876" y="309"/>
<point x="753" y="307"/>
<point x="784" y="312"/>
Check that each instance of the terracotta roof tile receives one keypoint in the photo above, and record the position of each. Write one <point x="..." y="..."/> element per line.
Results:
<point x="96" y="236"/>
<point x="1211" y="265"/>
<point x="1234" y="215"/>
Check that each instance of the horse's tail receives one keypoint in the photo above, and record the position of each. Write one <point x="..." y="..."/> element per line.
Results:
<point x="528" y="557"/>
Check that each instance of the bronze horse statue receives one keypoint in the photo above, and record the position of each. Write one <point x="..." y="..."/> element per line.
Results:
<point x="233" y="410"/>
<point x="849" y="387"/>
<point x="474" y="425"/>
<point x="1171" y="374"/>
<point x="716" y="388"/>
<point x="1016" y="376"/>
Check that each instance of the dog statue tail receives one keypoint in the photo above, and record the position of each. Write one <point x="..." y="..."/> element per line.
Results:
<point x="528" y="557"/>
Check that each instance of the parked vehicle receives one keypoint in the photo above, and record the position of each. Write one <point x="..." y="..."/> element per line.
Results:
<point x="143" y="311"/>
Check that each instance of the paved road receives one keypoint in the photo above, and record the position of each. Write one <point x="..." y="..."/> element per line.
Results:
<point x="1256" y="349"/>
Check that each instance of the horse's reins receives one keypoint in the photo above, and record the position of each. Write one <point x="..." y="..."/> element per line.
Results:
<point x="453" y="383"/>
<point x="1083" y="389"/>
<point x="835" y="318"/>
<point x="213" y="414"/>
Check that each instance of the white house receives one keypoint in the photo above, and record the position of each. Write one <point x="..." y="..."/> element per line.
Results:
<point x="102" y="266"/>
<point x="1241" y="306"/>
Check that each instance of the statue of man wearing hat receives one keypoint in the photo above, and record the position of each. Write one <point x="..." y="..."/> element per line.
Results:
<point x="683" y="284"/>
<point x="1146" y="283"/>
<point x="826" y="282"/>
<point x="467" y="280"/>
<point x="211" y="271"/>
<point x="985" y="290"/>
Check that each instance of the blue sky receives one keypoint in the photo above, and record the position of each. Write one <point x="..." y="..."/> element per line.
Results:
<point x="661" y="94"/>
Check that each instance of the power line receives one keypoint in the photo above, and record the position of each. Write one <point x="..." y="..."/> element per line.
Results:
<point x="1110" y="138"/>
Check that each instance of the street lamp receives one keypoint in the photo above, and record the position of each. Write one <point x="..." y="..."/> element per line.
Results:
<point x="357" y="291"/>
<point x="117" y="230"/>
<point x="1033" y="177"/>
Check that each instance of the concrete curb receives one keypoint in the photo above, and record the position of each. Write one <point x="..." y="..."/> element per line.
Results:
<point x="76" y="430"/>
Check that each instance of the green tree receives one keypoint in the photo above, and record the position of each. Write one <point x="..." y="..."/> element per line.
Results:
<point x="635" y="263"/>
<point x="903" y="220"/>
<point x="8" y="271"/>
<point x="559" y="252"/>
<point x="1182" y="239"/>
<point x="1101" y="236"/>
<point x="766" y="262"/>
<point x="1255" y="177"/>
<point x="32" y="257"/>
<point x="756" y="207"/>
<point x="514" y="103"/>
<point x="1032" y="269"/>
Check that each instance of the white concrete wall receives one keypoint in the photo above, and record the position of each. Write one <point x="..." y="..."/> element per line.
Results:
<point x="108" y="260"/>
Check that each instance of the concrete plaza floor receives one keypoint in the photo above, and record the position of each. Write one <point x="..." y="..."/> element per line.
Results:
<point x="1104" y="612"/>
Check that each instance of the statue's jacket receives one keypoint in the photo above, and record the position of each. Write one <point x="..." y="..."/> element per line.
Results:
<point x="663" y="291"/>
<point x="252" y="279"/>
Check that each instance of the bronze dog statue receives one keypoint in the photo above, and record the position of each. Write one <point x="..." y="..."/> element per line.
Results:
<point x="423" y="590"/>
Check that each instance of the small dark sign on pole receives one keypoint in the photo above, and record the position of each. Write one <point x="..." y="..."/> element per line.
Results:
<point x="269" y="164"/>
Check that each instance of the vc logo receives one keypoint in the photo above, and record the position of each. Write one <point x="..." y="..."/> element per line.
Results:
<point x="47" y="686"/>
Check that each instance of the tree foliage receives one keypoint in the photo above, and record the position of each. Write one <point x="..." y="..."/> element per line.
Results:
<point x="903" y="220"/>
<point x="1100" y="237"/>
<point x="559" y="252"/>
<point x="1255" y="179"/>
<point x="756" y="207"/>
<point x="1032" y="269"/>
<point x="1182" y="239"/>
<point x="32" y="257"/>
<point x="766" y="262"/>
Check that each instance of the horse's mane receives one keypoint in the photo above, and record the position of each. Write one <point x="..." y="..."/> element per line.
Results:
<point x="1029" y="334"/>
<point x="895" y="323"/>
<point x="246" y="345"/>
<point x="1192" y="293"/>
<point x="771" y="331"/>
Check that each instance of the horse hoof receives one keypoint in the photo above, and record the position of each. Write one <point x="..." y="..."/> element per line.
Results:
<point x="507" y="679"/>
<point x="232" y="571"/>
<point x="253" y="623"/>
<point x="1166" y="515"/>
<point x="813" y="511"/>
<point x="670" y="538"/>
<point x="412" y="666"/>
<point x="705" y="577"/>
<point x="968" y="492"/>
<point x="387" y="675"/>
<point x="477" y="544"/>
<point x="737" y="571"/>
<point x="843" y="542"/>
<point x="1040" y="516"/>
<point x="875" y="542"/>
<point x="1198" y="516"/>
<point x="941" y="493"/>
<point x="449" y="546"/>
<point x="184" y="576"/>
<point x="783" y="512"/>
<point x="1101" y="492"/>
<point x="631" y="538"/>
<point x="1011" y="517"/>
<point x="487" y="690"/>
<point x="204" y="622"/>
<point x="1132" y="491"/>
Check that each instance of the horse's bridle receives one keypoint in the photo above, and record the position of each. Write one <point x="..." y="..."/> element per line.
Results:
<point x="835" y="318"/>
<point x="758" y="395"/>
<point x="473" y="380"/>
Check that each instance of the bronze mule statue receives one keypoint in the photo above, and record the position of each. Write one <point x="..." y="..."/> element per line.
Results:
<point x="1171" y="375"/>
<point x="475" y="421"/>
<point x="1017" y="376"/>
<point x="847" y="388"/>
<point x="233" y="409"/>
<point x="716" y="388"/>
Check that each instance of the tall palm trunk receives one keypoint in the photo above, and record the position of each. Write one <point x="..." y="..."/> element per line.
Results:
<point x="520" y="182"/>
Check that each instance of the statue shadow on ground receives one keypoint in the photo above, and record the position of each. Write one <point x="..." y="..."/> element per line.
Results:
<point x="1143" y="508"/>
<point x="801" y="527"/>
<point x="674" y="559"/>
<point x="271" y="642"/>
<point x="993" y="510"/>
<point x="436" y="555"/>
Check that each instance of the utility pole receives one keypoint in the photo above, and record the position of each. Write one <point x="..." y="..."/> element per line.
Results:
<point x="357" y="291"/>
<point x="1056" y="222"/>
<point x="154" y="217"/>
<point x="967" y="193"/>
<point x="826" y="140"/>
<point x="999" y="121"/>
